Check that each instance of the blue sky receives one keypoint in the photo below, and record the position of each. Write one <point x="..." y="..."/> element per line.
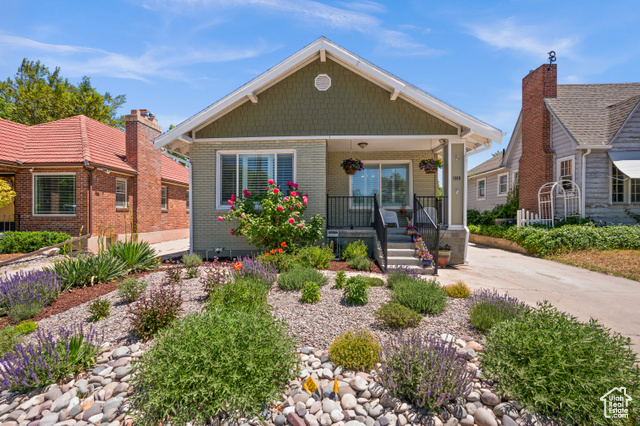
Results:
<point x="175" y="57"/>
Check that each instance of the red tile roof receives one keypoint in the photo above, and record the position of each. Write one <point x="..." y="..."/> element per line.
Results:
<point x="174" y="171"/>
<point x="74" y="140"/>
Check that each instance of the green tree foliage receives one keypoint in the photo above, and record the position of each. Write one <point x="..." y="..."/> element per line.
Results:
<point x="37" y="95"/>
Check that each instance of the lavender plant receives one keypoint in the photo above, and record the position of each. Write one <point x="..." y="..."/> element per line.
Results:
<point x="49" y="358"/>
<point x="254" y="268"/>
<point x="424" y="369"/>
<point x="488" y="307"/>
<point x="24" y="294"/>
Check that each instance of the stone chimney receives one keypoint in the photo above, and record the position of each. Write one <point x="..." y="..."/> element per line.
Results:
<point x="141" y="129"/>
<point x="536" y="162"/>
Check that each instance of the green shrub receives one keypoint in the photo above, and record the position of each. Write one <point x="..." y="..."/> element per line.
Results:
<point x="424" y="296"/>
<point x="88" y="270"/>
<point x="356" y="349"/>
<point x="131" y="288"/>
<point x="341" y="280"/>
<point x="137" y="255"/>
<point x="192" y="262"/>
<point x="26" y="242"/>
<point x="220" y="360"/>
<point x="395" y="315"/>
<point x="573" y="364"/>
<point x="487" y="308"/>
<point x="458" y="290"/>
<point x="296" y="278"/>
<point x="155" y="311"/>
<point x="360" y="263"/>
<point x="318" y="257"/>
<point x="99" y="309"/>
<point x="310" y="293"/>
<point x="241" y="293"/>
<point x="356" y="291"/>
<point x="12" y="335"/>
<point x="355" y="249"/>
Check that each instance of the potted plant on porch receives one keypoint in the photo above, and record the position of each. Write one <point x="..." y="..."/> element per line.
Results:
<point x="425" y="256"/>
<point x="351" y="165"/>
<point x="444" y="255"/>
<point x="430" y="165"/>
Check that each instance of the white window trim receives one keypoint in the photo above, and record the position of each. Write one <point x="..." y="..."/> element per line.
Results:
<point x="573" y="167"/>
<point x="478" y="198"/>
<point x="164" y="189"/>
<point x="219" y="204"/>
<point x="408" y="206"/>
<point x="501" y="194"/>
<point x="126" y="194"/>
<point x="33" y="193"/>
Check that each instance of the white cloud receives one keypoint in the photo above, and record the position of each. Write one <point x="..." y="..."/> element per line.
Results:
<point x="164" y="62"/>
<point x="529" y="39"/>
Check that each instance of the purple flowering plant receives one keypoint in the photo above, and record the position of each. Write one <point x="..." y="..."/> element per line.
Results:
<point x="425" y="370"/>
<point x="23" y="295"/>
<point x="49" y="358"/>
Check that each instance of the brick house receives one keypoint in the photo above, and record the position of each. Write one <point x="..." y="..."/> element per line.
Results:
<point x="80" y="176"/>
<point x="298" y="120"/>
<point x="584" y="137"/>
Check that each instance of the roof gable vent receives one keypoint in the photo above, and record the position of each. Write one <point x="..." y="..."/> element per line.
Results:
<point x="323" y="82"/>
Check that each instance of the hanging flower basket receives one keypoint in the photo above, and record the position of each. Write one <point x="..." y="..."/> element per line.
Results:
<point x="430" y="165"/>
<point x="351" y="166"/>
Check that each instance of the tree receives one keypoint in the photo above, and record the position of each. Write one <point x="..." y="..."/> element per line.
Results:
<point x="7" y="194"/>
<point x="37" y="95"/>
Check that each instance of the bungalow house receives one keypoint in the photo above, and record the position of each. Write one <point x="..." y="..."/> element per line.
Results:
<point x="584" y="137"/>
<point x="297" y="122"/>
<point x="80" y="176"/>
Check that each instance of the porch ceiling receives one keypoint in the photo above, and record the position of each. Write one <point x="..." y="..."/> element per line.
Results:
<point x="383" y="144"/>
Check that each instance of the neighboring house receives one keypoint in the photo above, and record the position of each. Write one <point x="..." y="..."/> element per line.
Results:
<point x="300" y="119"/>
<point x="80" y="176"/>
<point x="588" y="134"/>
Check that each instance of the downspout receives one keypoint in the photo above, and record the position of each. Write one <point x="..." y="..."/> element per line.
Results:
<point x="583" y="183"/>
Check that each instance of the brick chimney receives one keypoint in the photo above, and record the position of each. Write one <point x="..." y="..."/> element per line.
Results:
<point x="536" y="162"/>
<point x="141" y="128"/>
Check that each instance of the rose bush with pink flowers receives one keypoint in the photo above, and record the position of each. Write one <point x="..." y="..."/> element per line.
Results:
<point x="269" y="218"/>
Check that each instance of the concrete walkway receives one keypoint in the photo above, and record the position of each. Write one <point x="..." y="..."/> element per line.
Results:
<point x="613" y="301"/>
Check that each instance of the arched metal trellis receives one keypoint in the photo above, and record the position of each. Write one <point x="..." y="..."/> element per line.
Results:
<point x="559" y="200"/>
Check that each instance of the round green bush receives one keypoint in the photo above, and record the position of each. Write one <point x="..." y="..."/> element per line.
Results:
<point x="296" y="278"/>
<point x="424" y="296"/>
<point x="220" y="360"/>
<point x="356" y="291"/>
<point x="356" y="349"/>
<point x="395" y="315"/>
<point x="560" y="367"/>
<point x="310" y="293"/>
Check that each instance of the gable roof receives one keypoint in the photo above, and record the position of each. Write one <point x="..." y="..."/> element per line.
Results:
<point x="583" y="109"/>
<point x="73" y="140"/>
<point x="323" y="48"/>
<point x="493" y="163"/>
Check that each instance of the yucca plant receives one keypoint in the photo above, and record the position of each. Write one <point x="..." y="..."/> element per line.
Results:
<point x="137" y="255"/>
<point x="88" y="270"/>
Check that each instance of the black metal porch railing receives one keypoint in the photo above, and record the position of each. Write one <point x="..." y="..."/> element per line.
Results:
<point x="428" y="226"/>
<point x="381" y="231"/>
<point x="8" y="222"/>
<point x="437" y="205"/>
<point x="350" y="211"/>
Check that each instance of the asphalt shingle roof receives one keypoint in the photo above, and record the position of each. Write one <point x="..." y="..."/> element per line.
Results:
<point x="584" y="109"/>
<point x="492" y="163"/>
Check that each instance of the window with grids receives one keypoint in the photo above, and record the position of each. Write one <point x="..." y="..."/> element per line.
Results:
<point x="503" y="184"/>
<point x="389" y="181"/>
<point x="617" y="185"/>
<point x="121" y="193"/>
<point x="239" y="171"/>
<point x="163" y="198"/>
<point x="482" y="188"/>
<point x="54" y="194"/>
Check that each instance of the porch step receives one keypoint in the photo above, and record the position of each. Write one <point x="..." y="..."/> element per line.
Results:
<point x="403" y="260"/>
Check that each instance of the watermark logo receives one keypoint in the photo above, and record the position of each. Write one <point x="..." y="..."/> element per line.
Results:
<point x="616" y="403"/>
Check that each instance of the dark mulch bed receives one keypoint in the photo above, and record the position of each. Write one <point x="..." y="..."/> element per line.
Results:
<point x="342" y="266"/>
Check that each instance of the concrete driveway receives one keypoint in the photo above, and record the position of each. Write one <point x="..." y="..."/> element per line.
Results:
<point x="613" y="301"/>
